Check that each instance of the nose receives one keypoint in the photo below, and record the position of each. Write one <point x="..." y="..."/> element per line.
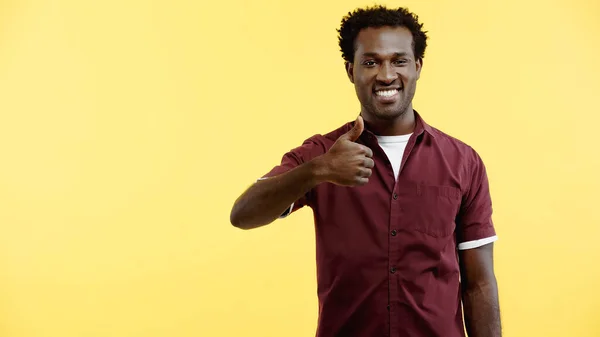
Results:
<point x="387" y="74"/>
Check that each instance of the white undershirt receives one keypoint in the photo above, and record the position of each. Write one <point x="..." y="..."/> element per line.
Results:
<point x="394" y="147"/>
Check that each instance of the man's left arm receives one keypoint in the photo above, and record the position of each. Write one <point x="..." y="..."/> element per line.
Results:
<point x="476" y="236"/>
<point x="480" y="292"/>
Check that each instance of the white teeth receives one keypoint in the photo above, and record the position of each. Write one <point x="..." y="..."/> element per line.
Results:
<point x="386" y="93"/>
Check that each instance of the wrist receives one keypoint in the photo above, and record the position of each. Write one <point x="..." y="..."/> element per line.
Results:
<point x="319" y="170"/>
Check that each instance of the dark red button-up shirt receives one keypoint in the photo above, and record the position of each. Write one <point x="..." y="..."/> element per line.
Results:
<point x="387" y="260"/>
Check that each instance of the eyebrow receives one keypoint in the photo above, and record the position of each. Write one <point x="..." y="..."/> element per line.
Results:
<point x="402" y="54"/>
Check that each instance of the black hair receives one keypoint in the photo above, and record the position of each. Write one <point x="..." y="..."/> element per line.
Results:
<point x="379" y="16"/>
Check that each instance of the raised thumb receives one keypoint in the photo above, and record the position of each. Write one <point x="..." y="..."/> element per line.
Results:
<point x="356" y="130"/>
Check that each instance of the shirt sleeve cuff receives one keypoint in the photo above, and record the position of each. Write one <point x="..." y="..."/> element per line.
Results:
<point x="477" y="243"/>
<point x="287" y="212"/>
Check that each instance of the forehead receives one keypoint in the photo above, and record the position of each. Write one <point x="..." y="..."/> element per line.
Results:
<point x="384" y="41"/>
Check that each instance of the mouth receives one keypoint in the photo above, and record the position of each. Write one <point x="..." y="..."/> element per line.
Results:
<point x="387" y="95"/>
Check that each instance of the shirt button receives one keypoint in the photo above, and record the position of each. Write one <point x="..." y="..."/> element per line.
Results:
<point x="393" y="270"/>
<point x="395" y="196"/>
<point x="394" y="232"/>
<point x="388" y="308"/>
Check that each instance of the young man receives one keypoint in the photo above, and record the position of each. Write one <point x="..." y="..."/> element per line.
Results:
<point x="402" y="211"/>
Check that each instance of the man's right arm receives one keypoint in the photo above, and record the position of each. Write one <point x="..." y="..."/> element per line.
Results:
<point x="267" y="199"/>
<point x="346" y="163"/>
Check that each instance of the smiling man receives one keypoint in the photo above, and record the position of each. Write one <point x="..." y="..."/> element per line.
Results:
<point x="402" y="211"/>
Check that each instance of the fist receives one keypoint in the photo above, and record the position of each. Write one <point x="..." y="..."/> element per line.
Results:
<point x="349" y="163"/>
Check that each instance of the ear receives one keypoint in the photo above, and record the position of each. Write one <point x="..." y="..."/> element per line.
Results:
<point x="350" y="71"/>
<point x="419" y="65"/>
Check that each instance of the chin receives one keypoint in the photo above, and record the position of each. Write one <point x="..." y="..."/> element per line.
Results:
<point x="388" y="114"/>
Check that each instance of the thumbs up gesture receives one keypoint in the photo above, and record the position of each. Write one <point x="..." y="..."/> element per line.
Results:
<point x="348" y="163"/>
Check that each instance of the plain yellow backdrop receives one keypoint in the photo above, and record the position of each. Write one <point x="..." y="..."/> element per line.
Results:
<point x="128" y="128"/>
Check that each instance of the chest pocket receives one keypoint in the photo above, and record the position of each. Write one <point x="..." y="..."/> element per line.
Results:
<point x="431" y="209"/>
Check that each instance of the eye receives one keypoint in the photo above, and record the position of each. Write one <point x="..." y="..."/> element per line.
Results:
<point x="369" y="63"/>
<point x="401" y="62"/>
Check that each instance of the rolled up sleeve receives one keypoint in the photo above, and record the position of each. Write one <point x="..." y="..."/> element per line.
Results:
<point x="475" y="226"/>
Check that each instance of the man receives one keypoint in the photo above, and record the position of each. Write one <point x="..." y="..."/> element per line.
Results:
<point x="402" y="211"/>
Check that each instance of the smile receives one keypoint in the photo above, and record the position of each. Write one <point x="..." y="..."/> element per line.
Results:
<point x="387" y="96"/>
<point x="386" y="93"/>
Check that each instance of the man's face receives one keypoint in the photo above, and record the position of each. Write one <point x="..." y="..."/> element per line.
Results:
<point x="384" y="71"/>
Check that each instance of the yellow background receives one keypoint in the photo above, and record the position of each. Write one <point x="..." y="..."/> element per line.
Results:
<point x="128" y="128"/>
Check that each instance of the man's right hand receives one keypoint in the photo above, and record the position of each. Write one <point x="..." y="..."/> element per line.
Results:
<point x="348" y="163"/>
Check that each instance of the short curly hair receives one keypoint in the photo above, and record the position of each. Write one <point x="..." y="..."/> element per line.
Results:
<point x="379" y="16"/>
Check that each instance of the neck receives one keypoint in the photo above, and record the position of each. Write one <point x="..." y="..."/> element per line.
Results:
<point x="401" y="125"/>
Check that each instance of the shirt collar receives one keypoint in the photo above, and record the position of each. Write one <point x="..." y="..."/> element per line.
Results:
<point x="420" y="127"/>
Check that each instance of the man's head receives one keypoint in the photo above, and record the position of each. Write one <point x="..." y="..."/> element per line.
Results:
<point x="383" y="51"/>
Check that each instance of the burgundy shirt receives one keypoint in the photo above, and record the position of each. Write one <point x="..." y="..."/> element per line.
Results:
<point x="387" y="259"/>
